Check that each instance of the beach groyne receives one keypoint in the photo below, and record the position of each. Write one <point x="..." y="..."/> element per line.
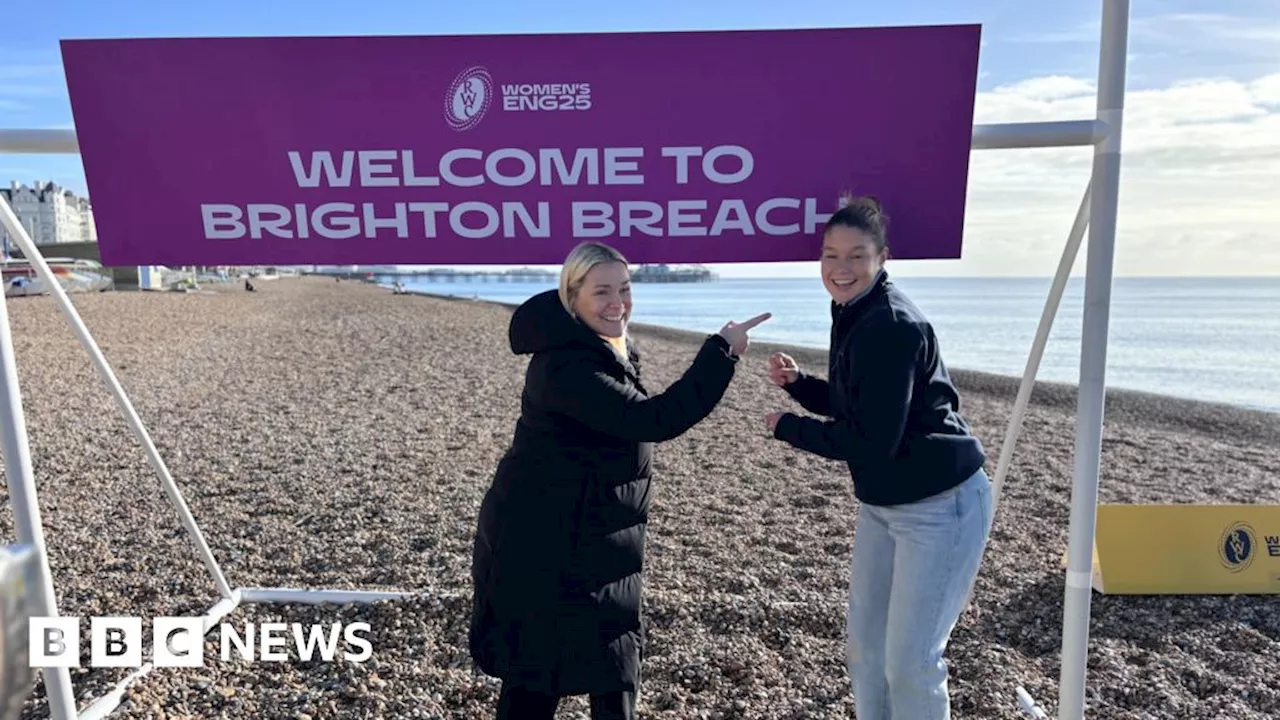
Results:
<point x="336" y="435"/>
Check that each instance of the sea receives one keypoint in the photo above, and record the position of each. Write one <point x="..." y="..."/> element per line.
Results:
<point x="1211" y="339"/>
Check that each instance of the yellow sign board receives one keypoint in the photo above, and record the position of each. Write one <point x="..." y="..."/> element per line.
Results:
<point x="1187" y="550"/>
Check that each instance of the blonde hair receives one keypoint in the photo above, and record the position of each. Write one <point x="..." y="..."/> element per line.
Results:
<point x="580" y="261"/>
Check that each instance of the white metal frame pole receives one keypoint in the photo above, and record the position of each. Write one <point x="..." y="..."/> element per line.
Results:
<point x="996" y="136"/>
<point x="9" y="220"/>
<point x="1093" y="361"/>
<point x="1047" y="316"/>
<point x="26" y="507"/>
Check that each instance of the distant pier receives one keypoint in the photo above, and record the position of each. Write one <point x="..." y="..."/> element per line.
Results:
<point x="447" y="275"/>
<point x="670" y="274"/>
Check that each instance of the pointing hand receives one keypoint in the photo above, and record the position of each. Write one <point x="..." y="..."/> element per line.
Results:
<point x="736" y="333"/>
<point x="783" y="369"/>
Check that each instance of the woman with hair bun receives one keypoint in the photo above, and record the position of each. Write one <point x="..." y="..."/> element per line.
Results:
<point x="891" y="413"/>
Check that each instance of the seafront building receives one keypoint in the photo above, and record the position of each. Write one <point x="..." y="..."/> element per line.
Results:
<point x="51" y="214"/>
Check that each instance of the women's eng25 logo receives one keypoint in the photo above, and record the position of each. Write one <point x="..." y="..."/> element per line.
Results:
<point x="1237" y="546"/>
<point x="473" y="92"/>
<point x="468" y="98"/>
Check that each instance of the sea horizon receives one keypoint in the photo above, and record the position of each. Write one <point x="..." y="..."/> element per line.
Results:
<point x="1208" y="338"/>
<point x="894" y="274"/>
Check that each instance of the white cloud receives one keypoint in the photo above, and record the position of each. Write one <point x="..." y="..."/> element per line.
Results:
<point x="1266" y="90"/>
<point x="1215" y="26"/>
<point x="1200" y="180"/>
<point x="1079" y="33"/>
<point x="1241" y="35"/>
<point x="1053" y="87"/>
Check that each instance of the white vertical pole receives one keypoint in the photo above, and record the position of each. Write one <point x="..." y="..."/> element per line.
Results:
<point x="26" y="508"/>
<point x="1093" y="361"/>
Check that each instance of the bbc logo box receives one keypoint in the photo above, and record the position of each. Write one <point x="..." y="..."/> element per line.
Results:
<point x="116" y="642"/>
<point x="180" y="642"/>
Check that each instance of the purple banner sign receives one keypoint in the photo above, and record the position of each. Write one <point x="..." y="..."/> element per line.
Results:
<point x="510" y="149"/>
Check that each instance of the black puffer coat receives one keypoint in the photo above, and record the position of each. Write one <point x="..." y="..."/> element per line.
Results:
<point x="559" y="546"/>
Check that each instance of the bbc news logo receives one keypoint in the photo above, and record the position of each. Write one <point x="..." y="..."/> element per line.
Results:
<point x="180" y="642"/>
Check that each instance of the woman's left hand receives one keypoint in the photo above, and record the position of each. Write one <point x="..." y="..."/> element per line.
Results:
<point x="772" y="420"/>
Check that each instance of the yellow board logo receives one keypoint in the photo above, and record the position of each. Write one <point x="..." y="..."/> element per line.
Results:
<point x="1237" y="547"/>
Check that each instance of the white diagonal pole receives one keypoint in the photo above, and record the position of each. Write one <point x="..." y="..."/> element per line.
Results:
<point x="29" y="250"/>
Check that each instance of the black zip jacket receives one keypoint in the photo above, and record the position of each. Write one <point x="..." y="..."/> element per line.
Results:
<point x="892" y="412"/>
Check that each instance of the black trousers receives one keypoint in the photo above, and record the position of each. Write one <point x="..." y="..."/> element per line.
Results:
<point x="517" y="703"/>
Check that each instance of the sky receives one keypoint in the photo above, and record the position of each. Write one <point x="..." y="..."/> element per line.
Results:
<point x="1201" y="167"/>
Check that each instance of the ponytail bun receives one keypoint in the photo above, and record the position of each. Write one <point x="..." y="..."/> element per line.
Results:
<point x="863" y="212"/>
<point x="866" y="203"/>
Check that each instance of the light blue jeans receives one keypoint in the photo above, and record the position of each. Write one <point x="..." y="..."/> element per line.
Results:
<point x="913" y="566"/>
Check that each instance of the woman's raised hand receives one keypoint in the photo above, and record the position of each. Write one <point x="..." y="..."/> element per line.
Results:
<point x="736" y="333"/>
<point x="783" y="369"/>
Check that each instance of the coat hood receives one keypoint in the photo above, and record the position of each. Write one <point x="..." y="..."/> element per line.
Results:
<point x="541" y="323"/>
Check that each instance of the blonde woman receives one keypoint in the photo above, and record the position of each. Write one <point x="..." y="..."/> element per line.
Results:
<point x="559" y="546"/>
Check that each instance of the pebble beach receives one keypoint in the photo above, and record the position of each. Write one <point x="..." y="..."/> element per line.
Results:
<point x="335" y="435"/>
